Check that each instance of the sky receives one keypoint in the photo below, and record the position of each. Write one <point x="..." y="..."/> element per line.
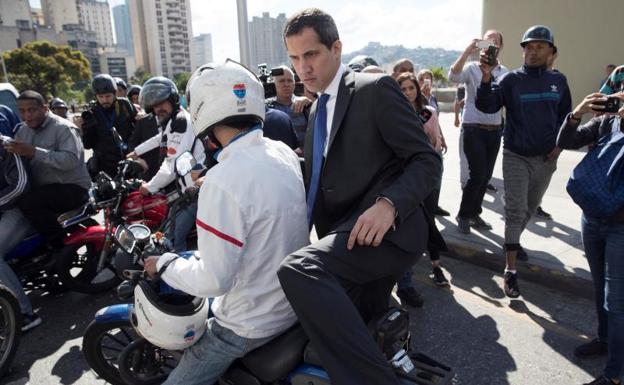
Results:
<point x="449" y="24"/>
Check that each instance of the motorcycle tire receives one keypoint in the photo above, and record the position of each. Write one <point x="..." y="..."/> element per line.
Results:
<point x="141" y="363"/>
<point x="102" y="345"/>
<point x="11" y="331"/>
<point x="76" y="267"/>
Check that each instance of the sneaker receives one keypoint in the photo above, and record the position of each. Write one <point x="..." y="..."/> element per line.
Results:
<point x="30" y="321"/>
<point x="593" y="348"/>
<point x="512" y="290"/>
<point x="440" y="212"/>
<point x="602" y="380"/>
<point x="409" y="296"/>
<point x="491" y="187"/>
<point x="463" y="225"/>
<point x="479" y="224"/>
<point x="540" y="213"/>
<point x="438" y="277"/>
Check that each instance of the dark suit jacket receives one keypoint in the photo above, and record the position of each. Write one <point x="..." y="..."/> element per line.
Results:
<point x="377" y="147"/>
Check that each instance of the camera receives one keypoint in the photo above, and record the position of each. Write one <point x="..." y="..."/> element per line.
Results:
<point x="611" y="105"/>
<point x="266" y="77"/>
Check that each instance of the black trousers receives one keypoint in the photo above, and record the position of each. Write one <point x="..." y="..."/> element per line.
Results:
<point x="481" y="148"/>
<point x="334" y="292"/>
<point x="43" y="204"/>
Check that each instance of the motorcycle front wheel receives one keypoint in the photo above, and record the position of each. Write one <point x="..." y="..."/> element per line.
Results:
<point x="102" y="345"/>
<point x="10" y="328"/>
<point x="141" y="363"/>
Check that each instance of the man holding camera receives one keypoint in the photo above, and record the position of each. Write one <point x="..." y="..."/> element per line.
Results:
<point x="297" y="107"/>
<point x="537" y="100"/>
<point x="107" y="126"/>
<point x="481" y="131"/>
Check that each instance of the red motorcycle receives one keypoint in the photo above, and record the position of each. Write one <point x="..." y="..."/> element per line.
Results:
<point x="85" y="263"/>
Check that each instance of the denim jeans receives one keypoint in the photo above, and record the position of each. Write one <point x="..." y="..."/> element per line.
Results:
<point x="209" y="358"/>
<point x="481" y="148"/>
<point x="184" y="222"/>
<point x="14" y="227"/>
<point x="604" y="248"/>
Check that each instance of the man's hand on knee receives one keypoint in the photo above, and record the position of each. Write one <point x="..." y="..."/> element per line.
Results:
<point x="372" y="225"/>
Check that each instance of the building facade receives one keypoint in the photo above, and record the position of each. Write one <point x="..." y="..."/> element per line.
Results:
<point x="584" y="35"/>
<point x="60" y="12"/>
<point x="123" y="28"/>
<point x="94" y="15"/>
<point x="116" y="63"/>
<point x="162" y="34"/>
<point x="15" y="13"/>
<point x="265" y="35"/>
<point x="202" y="49"/>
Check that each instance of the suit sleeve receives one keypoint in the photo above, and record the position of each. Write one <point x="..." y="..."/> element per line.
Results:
<point x="401" y="129"/>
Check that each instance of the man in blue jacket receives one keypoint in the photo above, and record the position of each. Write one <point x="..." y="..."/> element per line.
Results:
<point x="537" y="100"/>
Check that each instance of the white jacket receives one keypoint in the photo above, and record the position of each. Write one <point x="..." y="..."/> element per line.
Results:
<point x="251" y="215"/>
<point x="180" y="138"/>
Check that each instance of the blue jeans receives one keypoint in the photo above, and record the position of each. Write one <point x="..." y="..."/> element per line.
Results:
<point x="209" y="358"/>
<point x="14" y="227"/>
<point x="184" y="222"/>
<point x="604" y="248"/>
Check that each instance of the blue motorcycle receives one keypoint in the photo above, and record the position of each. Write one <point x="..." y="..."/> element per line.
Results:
<point x="118" y="354"/>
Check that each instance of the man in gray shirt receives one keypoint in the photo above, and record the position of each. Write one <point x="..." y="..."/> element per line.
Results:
<point x="58" y="173"/>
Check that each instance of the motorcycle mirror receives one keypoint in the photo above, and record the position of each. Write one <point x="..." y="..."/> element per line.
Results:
<point x="184" y="163"/>
<point x="125" y="239"/>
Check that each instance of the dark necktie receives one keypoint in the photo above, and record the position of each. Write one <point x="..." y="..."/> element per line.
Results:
<point x="318" y="147"/>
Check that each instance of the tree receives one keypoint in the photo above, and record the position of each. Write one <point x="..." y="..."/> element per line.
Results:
<point x="181" y="80"/>
<point x="140" y="76"/>
<point x="438" y="75"/>
<point x="47" y="68"/>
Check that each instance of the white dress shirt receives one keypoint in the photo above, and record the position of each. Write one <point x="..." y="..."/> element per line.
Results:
<point x="332" y="91"/>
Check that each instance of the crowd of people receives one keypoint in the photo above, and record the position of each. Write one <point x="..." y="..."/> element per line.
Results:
<point x="373" y="150"/>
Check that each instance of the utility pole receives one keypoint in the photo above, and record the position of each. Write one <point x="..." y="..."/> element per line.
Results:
<point x="243" y="33"/>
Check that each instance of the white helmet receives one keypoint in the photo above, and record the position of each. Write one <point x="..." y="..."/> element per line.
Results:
<point x="222" y="93"/>
<point x="173" y="324"/>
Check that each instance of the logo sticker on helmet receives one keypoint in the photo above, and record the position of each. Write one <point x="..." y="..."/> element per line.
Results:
<point x="239" y="90"/>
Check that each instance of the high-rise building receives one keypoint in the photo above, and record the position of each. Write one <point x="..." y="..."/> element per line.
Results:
<point x="94" y="15"/>
<point x="15" y="13"/>
<point x="265" y="34"/>
<point x="117" y="64"/>
<point x="60" y="12"/>
<point x="162" y="33"/>
<point x="123" y="28"/>
<point x="202" y="50"/>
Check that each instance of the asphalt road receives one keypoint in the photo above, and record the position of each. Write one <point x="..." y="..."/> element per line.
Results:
<point x="485" y="337"/>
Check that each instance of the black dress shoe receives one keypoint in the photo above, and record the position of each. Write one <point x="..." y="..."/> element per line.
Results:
<point x="411" y="297"/>
<point x="440" y="212"/>
<point x="593" y="348"/>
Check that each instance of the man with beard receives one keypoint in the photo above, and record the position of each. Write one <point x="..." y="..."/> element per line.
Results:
<point x="107" y="126"/>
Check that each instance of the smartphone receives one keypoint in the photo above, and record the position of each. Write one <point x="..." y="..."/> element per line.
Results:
<point x="427" y="82"/>
<point x="611" y="105"/>
<point x="424" y="115"/>
<point x="490" y="55"/>
<point x="461" y="94"/>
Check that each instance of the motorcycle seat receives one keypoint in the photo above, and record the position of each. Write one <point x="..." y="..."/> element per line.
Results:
<point x="278" y="357"/>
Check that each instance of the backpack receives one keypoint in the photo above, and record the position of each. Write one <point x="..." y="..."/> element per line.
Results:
<point x="597" y="182"/>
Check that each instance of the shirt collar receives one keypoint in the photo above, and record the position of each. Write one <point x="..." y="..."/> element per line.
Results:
<point x="332" y="88"/>
<point x="240" y="141"/>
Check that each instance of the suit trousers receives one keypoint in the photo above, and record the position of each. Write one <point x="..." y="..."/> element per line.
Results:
<point x="334" y="293"/>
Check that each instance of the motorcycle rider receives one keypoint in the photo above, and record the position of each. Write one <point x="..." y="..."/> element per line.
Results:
<point x="107" y="126"/>
<point x="243" y="234"/>
<point x="160" y="97"/>
<point x="14" y="227"/>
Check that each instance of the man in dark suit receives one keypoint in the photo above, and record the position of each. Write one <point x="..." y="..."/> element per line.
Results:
<point x="369" y="166"/>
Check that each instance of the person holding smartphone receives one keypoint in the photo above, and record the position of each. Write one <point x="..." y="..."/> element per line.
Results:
<point x="480" y="135"/>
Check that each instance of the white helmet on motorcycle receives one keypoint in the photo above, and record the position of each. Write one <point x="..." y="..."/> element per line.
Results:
<point x="173" y="323"/>
<point x="224" y="93"/>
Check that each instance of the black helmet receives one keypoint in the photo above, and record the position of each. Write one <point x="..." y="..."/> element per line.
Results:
<point x="134" y="90"/>
<point x="538" y="33"/>
<point x="120" y="83"/>
<point x="104" y="84"/>
<point x="157" y="90"/>
<point x="360" y="62"/>
<point x="57" y="103"/>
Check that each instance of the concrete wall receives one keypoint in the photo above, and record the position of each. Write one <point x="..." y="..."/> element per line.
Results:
<point x="587" y="34"/>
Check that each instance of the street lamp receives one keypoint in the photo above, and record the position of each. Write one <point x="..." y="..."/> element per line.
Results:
<point x="243" y="33"/>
